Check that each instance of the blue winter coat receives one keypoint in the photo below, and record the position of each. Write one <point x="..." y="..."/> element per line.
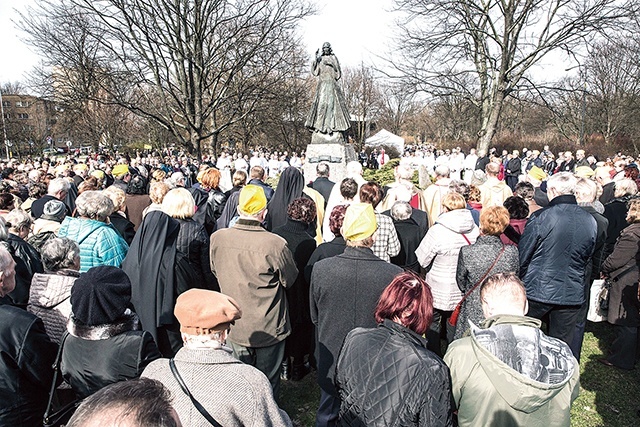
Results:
<point x="555" y="248"/>
<point x="100" y="243"/>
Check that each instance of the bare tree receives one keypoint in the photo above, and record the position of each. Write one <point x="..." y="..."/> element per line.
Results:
<point x="188" y="65"/>
<point x="362" y="93"/>
<point x="482" y="50"/>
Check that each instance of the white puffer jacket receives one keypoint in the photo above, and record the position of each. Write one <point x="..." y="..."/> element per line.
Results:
<point x="440" y="248"/>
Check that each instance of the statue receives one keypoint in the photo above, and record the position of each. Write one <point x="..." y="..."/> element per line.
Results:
<point x="329" y="112"/>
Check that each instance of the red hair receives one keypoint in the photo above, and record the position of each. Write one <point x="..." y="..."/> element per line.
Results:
<point x="408" y="297"/>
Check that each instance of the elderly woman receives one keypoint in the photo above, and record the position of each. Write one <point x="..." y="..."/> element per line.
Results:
<point x="332" y="248"/>
<point x="136" y="200"/>
<point x="27" y="259"/>
<point x="49" y="297"/>
<point x="105" y="342"/>
<point x="100" y="243"/>
<point x="621" y="267"/>
<point x="157" y="191"/>
<point x="301" y="213"/>
<point x="518" y="213"/>
<point x="376" y="366"/>
<point x="193" y="240"/>
<point x="487" y="256"/>
<point x="118" y="217"/>
<point x="438" y="253"/>
<point x="386" y="244"/>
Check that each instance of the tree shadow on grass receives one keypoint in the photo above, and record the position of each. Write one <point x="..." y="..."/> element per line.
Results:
<point x="615" y="390"/>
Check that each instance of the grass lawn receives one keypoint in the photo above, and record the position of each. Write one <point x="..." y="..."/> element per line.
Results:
<point x="608" y="396"/>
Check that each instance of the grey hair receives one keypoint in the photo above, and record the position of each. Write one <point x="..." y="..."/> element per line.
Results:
<point x="562" y="183"/>
<point x="58" y="253"/>
<point x="58" y="185"/>
<point x="354" y="168"/>
<point x="18" y="219"/>
<point x="625" y="187"/>
<point x="401" y="211"/>
<point x="5" y="258"/>
<point x="322" y="169"/>
<point x="4" y="233"/>
<point x="94" y="205"/>
<point x="404" y="171"/>
<point x="586" y="191"/>
<point x="177" y="179"/>
<point x="443" y="171"/>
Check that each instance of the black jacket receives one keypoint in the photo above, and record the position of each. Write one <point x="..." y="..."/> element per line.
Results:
<point x="215" y="206"/>
<point x="344" y="293"/>
<point x="193" y="241"/>
<point x="323" y="186"/>
<point x="123" y="226"/>
<point x="95" y="356"/>
<point x="386" y="376"/>
<point x="555" y="250"/>
<point x="26" y="359"/>
<point x="28" y="263"/>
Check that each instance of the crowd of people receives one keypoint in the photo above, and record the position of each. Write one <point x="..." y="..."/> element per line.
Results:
<point x="200" y="284"/>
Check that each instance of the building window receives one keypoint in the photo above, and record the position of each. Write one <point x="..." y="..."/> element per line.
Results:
<point x="7" y="115"/>
<point x="6" y="104"/>
<point x="23" y="116"/>
<point x="22" y="103"/>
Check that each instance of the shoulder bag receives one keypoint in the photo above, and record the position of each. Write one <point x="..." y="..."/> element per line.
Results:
<point x="186" y="391"/>
<point x="453" y="319"/>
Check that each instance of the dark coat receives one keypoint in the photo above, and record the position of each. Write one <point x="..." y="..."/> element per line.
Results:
<point x="26" y="373"/>
<point x="473" y="263"/>
<point x="215" y="206"/>
<point x="301" y="245"/>
<point x="622" y="267"/>
<point x="200" y="197"/>
<point x="229" y="212"/>
<point x="608" y="191"/>
<point x="268" y="191"/>
<point x="151" y="267"/>
<point x="324" y="250"/>
<point x="323" y="185"/>
<point x="28" y="263"/>
<point x="555" y="248"/>
<point x="193" y="241"/>
<point x="121" y="348"/>
<point x="136" y="204"/>
<point x="601" y="237"/>
<point x="616" y="213"/>
<point x="410" y="236"/>
<point x="386" y="376"/>
<point x="420" y="217"/>
<point x="123" y="226"/>
<point x="344" y="293"/>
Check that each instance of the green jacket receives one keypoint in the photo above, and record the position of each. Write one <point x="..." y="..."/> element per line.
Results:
<point x="499" y="380"/>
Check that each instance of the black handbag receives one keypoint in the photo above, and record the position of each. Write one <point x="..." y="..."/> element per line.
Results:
<point x="62" y="415"/>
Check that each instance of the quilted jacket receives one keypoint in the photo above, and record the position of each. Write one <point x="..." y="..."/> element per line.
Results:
<point x="555" y="250"/>
<point x="387" y="377"/>
<point x="100" y="243"/>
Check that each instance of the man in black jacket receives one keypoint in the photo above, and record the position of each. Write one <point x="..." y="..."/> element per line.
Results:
<point x="344" y="294"/>
<point x="323" y="184"/>
<point x="27" y="357"/>
<point x="555" y="250"/>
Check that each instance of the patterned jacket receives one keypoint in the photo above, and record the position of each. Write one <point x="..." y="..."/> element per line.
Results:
<point x="233" y="393"/>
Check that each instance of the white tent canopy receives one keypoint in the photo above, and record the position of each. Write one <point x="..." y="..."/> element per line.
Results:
<point x="384" y="137"/>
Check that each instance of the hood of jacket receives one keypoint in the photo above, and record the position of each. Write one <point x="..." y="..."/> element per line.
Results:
<point x="49" y="290"/>
<point x="458" y="221"/>
<point x="78" y="229"/>
<point x="526" y="367"/>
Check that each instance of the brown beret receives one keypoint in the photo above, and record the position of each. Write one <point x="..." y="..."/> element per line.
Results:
<point x="202" y="312"/>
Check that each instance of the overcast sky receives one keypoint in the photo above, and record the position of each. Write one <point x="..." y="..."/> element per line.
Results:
<point x="356" y="29"/>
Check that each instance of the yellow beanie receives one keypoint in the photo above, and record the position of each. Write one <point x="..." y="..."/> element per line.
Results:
<point x="584" y="172"/>
<point x="120" y="170"/>
<point x="359" y="222"/>
<point x="252" y="199"/>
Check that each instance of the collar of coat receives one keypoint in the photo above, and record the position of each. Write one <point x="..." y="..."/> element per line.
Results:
<point x="405" y="332"/>
<point x="563" y="199"/>
<point x="128" y="322"/>
<point x="248" y="224"/>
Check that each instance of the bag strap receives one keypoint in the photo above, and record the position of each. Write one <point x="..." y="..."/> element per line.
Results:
<point x="186" y="391"/>
<point x="486" y="273"/>
<point x="56" y="369"/>
<point x="625" y="271"/>
<point x="466" y="238"/>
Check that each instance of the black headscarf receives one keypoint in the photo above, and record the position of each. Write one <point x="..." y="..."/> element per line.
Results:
<point x="290" y="187"/>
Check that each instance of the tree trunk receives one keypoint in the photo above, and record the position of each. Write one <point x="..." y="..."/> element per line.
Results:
<point x="488" y="131"/>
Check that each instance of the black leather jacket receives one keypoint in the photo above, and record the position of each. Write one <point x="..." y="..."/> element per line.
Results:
<point x="386" y="376"/>
<point x="27" y="264"/>
<point x="215" y="206"/>
<point x="25" y="367"/>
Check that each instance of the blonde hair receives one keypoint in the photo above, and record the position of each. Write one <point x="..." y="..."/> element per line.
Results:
<point x="116" y="195"/>
<point x="179" y="203"/>
<point x="494" y="220"/>
<point x="633" y="215"/>
<point x="157" y="191"/>
<point x="453" y="201"/>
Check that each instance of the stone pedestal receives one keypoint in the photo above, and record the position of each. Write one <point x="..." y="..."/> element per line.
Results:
<point x="336" y="154"/>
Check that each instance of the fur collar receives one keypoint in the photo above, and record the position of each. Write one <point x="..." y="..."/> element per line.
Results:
<point x="128" y="322"/>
